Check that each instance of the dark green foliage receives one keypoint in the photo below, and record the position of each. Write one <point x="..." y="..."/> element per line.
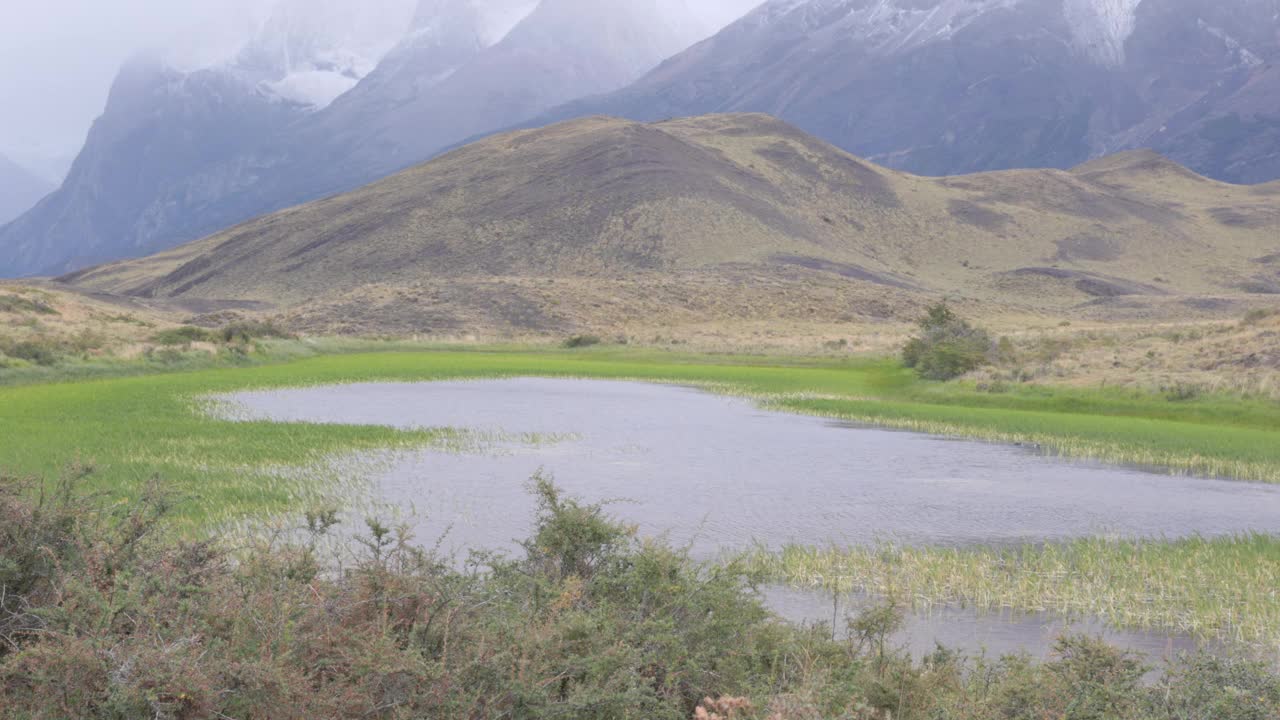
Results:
<point x="184" y="335"/>
<point x="578" y="341"/>
<point x="249" y="330"/>
<point x="102" y="618"/>
<point x="49" y="350"/>
<point x="947" y="346"/>
<point x="1211" y="688"/>
<point x="32" y="351"/>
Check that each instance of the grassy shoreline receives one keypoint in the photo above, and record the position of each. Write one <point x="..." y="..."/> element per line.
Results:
<point x="133" y="429"/>
<point x="1227" y="589"/>
<point x="137" y="427"/>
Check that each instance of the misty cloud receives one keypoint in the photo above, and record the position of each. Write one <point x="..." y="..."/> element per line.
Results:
<point x="58" y="57"/>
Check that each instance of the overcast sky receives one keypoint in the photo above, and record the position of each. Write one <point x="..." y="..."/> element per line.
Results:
<point x="58" y="57"/>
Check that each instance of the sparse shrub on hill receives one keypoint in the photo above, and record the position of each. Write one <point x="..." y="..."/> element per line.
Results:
<point x="33" y="351"/>
<point x="581" y="341"/>
<point x="1258" y="315"/>
<point x="249" y="330"/>
<point x="184" y="335"/>
<point x="947" y="347"/>
<point x="16" y="304"/>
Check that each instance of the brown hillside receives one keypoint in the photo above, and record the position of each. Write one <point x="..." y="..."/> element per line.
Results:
<point x="603" y="222"/>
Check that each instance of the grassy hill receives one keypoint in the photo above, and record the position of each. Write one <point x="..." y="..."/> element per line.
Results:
<point x="605" y="223"/>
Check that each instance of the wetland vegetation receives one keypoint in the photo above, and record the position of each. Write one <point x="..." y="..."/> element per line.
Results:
<point x="107" y="616"/>
<point x="557" y="644"/>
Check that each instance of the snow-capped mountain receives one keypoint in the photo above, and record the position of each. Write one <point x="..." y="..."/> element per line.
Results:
<point x="311" y="51"/>
<point x="951" y="86"/>
<point x="329" y="95"/>
<point x="127" y="191"/>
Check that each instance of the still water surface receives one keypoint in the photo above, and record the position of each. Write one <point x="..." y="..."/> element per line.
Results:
<point x="720" y="474"/>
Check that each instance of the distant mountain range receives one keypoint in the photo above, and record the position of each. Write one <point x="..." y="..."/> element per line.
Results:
<point x="311" y="108"/>
<point x="602" y="222"/>
<point x="951" y="86"/>
<point x="934" y="87"/>
<point x="20" y="189"/>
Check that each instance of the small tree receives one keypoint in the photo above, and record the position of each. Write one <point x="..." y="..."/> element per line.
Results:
<point x="947" y="347"/>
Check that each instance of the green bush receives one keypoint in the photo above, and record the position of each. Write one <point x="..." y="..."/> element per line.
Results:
<point x="105" y="614"/>
<point x="947" y="346"/>
<point x="249" y="330"/>
<point x="34" y="351"/>
<point x="184" y="335"/>
<point x="579" y="341"/>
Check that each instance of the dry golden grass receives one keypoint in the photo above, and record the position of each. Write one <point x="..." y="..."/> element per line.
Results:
<point x="1239" y="357"/>
<point x="39" y="313"/>
<point x="607" y="225"/>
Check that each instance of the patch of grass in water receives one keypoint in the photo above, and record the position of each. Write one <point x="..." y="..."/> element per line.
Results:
<point x="234" y="474"/>
<point x="1227" y="588"/>
<point x="139" y="427"/>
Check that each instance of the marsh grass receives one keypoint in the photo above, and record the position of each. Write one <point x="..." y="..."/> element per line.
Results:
<point x="135" y="428"/>
<point x="1221" y="589"/>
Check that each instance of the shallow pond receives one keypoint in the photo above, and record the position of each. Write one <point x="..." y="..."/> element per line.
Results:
<point x="719" y="474"/>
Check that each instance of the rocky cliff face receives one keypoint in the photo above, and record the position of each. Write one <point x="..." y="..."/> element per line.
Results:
<point x="321" y="103"/>
<point x="952" y="86"/>
<point x="160" y="126"/>
<point x="20" y="189"/>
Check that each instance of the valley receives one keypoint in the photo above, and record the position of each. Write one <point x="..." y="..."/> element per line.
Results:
<point x="642" y="360"/>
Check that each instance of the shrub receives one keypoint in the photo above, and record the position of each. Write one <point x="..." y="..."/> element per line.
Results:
<point x="249" y="330"/>
<point x="184" y="335"/>
<point x="1257" y="315"/>
<point x="39" y="352"/>
<point x="578" y="341"/>
<point x="15" y="304"/>
<point x="947" y="346"/>
<point x="105" y="615"/>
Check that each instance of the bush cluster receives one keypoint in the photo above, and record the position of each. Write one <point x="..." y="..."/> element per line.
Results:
<point x="580" y="341"/>
<point x="102" y="615"/>
<point x="184" y="335"/>
<point x="49" y="350"/>
<point x="948" y="346"/>
<point x="246" y="331"/>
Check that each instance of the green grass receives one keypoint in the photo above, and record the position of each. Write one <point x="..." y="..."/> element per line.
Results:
<point x="226" y="473"/>
<point x="134" y="428"/>
<point x="1225" y="588"/>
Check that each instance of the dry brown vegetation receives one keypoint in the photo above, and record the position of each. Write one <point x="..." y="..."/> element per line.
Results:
<point x="1240" y="357"/>
<point x="610" y="226"/>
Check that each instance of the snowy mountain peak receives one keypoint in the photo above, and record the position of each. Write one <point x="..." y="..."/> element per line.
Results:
<point x="1101" y="27"/>
<point x="311" y="51"/>
<point x="485" y="22"/>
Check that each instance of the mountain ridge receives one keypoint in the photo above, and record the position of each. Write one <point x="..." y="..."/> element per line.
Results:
<point x="20" y="189"/>
<point x="942" y="87"/>
<point x="730" y="202"/>
<point x="456" y="55"/>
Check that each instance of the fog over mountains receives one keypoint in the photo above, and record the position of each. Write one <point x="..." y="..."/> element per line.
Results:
<point x="333" y="94"/>
<point x="20" y="189"/>
<point x="323" y="100"/>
